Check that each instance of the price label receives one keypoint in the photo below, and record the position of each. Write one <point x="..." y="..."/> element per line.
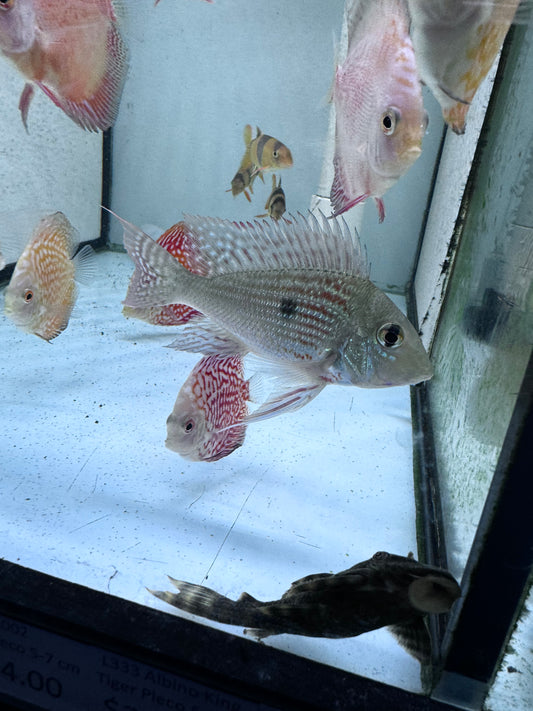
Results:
<point x="54" y="672"/>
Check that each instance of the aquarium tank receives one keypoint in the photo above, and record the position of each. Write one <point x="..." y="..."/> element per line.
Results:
<point x="266" y="324"/>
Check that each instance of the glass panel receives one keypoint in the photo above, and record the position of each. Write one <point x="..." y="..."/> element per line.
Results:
<point x="484" y="337"/>
<point x="513" y="686"/>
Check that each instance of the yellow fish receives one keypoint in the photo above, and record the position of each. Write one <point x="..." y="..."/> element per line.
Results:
<point x="245" y="176"/>
<point x="266" y="152"/>
<point x="41" y="294"/>
<point x="456" y="43"/>
<point x="275" y="205"/>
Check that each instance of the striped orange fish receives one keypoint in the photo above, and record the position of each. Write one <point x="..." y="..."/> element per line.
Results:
<point x="275" y="205"/>
<point x="266" y="152"/>
<point x="41" y="294"/>
<point x="71" y="49"/>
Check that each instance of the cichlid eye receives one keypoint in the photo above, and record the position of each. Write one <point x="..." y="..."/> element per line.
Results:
<point x="189" y="426"/>
<point x="389" y="120"/>
<point x="28" y="294"/>
<point x="275" y="154"/>
<point x="390" y="335"/>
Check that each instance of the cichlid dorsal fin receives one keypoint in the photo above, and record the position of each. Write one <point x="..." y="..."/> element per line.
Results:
<point x="296" y="243"/>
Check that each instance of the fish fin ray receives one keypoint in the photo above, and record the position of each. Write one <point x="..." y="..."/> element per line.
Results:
<point x="85" y="265"/>
<point x="151" y="282"/>
<point x="282" y="403"/>
<point x="413" y="636"/>
<point x="301" y="242"/>
<point x="204" y="336"/>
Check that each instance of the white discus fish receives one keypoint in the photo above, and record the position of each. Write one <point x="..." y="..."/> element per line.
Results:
<point x="380" y="117"/>
<point x="456" y="43"/>
<point x="296" y="294"/>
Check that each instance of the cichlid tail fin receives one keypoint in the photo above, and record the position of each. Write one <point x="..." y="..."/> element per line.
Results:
<point x="158" y="275"/>
<point x="209" y="604"/>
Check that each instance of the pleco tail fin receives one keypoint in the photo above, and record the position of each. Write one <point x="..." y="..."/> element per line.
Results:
<point x="157" y="276"/>
<point x="207" y="603"/>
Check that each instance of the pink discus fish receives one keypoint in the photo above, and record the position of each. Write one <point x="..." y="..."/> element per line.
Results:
<point x="41" y="294"/>
<point x="380" y="118"/>
<point x="206" y="423"/>
<point x="456" y="43"/>
<point x="177" y="241"/>
<point x="73" y="50"/>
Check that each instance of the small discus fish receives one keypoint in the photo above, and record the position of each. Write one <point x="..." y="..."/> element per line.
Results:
<point x="295" y="293"/>
<point x="275" y="205"/>
<point x="71" y="49"/>
<point x="380" y="117"/>
<point x="206" y="422"/>
<point x="456" y="43"/>
<point x="385" y="591"/>
<point x="177" y="241"/>
<point x="41" y="293"/>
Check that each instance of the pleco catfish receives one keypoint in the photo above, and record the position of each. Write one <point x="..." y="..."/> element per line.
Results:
<point x="73" y="50"/>
<point x="456" y="43"/>
<point x="206" y="423"/>
<point x="296" y="294"/>
<point x="380" y="118"/>
<point x="385" y="591"/>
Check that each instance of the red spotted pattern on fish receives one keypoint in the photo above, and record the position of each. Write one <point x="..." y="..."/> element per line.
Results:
<point x="206" y="423"/>
<point x="177" y="241"/>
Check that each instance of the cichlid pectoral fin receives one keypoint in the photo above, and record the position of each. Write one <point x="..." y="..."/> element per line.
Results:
<point x="288" y="401"/>
<point x="204" y="336"/>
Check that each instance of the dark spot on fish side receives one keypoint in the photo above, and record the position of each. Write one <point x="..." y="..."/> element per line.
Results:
<point x="288" y="307"/>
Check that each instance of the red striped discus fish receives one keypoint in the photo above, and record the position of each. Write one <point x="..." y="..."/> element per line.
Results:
<point x="71" y="49"/>
<point x="177" y="241"/>
<point x="380" y="118"/>
<point x="456" y="43"/>
<point x="296" y="294"/>
<point x="206" y="423"/>
<point x="41" y="293"/>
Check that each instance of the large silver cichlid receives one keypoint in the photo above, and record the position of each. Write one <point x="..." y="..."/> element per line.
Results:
<point x="296" y="293"/>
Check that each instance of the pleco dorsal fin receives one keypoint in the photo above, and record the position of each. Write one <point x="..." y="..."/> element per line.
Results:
<point x="295" y="243"/>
